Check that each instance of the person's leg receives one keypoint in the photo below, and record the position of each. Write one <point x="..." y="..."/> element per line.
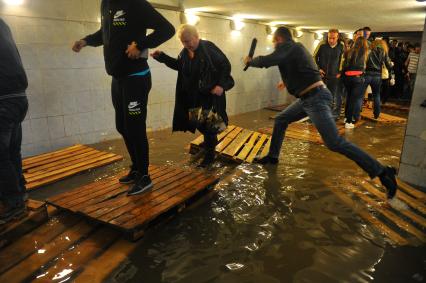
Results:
<point x="318" y="110"/>
<point x="292" y="113"/>
<point x="210" y="142"/>
<point x="384" y="95"/>
<point x="349" y="107"/>
<point x="358" y="90"/>
<point x="375" y="84"/>
<point x="332" y="85"/>
<point x="135" y="93"/>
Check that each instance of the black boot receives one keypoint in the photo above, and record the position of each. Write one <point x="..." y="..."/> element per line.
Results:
<point x="142" y="184"/>
<point x="208" y="159"/>
<point x="130" y="178"/>
<point x="9" y="213"/>
<point x="388" y="180"/>
<point x="210" y="142"/>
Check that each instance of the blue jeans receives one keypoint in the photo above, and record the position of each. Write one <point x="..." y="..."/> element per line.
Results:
<point x="333" y="84"/>
<point x="317" y="107"/>
<point x="354" y="97"/>
<point x="12" y="182"/>
<point x="376" y="83"/>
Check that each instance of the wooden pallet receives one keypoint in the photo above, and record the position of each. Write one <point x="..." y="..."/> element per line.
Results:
<point x="367" y="114"/>
<point x="306" y="131"/>
<point x="367" y="198"/>
<point x="277" y="108"/>
<point x="108" y="203"/>
<point x="37" y="214"/>
<point x="66" y="247"/>
<point x="51" y="167"/>
<point x="237" y="144"/>
<point x="396" y="107"/>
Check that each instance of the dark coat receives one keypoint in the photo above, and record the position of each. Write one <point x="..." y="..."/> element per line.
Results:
<point x="219" y="74"/>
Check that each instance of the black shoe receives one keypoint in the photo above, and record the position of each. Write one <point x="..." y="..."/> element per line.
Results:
<point x="130" y="178"/>
<point x="267" y="160"/>
<point x="388" y="180"/>
<point x="142" y="184"/>
<point x="10" y="213"/>
<point x="207" y="160"/>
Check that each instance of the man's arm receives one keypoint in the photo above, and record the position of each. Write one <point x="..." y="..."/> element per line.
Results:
<point x="94" y="39"/>
<point x="267" y="61"/>
<point x="152" y="19"/>
<point x="223" y="66"/>
<point x="162" y="57"/>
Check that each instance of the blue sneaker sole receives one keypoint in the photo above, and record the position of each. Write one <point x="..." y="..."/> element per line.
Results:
<point x="142" y="190"/>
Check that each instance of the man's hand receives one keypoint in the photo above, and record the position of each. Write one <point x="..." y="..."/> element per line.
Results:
<point x="281" y="86"/>
<point x="156" y="54"/>
<point x="78" y="45"/>
<point x="247" y="60"/>
<point x="322" y="73"/>
<point x="132" y="51"/>
<point x="217" y="90"/>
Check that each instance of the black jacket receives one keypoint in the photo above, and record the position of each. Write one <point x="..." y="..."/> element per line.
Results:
<point x="13" y="80"/>
<point x="297" y="67"/>
<point x="220" y="75"/>
<point x="329" y="58"/>
<point x="375" y="61"/>
<point x="122" y="23"/>
<point x="356" y="62"/>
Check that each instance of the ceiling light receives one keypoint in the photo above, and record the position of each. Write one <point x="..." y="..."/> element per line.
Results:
<point x="14" y="2"/>
<point x="237" y="24"/>
<point x="189" y="18"/>
<point x="318" y="36"/>
<point x="298" y="33"/>
<point x="270" y="30"/>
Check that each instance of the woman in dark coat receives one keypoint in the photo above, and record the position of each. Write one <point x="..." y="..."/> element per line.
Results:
<point x="204" y="74"/>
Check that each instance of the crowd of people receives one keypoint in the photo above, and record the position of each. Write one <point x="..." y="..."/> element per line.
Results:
<point x="349" y="66"/>
<point x="204" y="75"/>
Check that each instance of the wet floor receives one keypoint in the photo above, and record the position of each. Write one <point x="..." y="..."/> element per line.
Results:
<point x="269" y="224"/>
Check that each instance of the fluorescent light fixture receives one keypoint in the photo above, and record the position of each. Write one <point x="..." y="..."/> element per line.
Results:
<point x="189" y="17"/>
<point x="237" y="24"/>
<point x="14" y="2"/>
<point x="318" y="36"/>
<point x="298" y="33"/>
<point x="235" y="33"/>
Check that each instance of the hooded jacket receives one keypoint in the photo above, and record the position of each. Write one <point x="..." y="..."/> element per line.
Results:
<point x="125" y="21"/>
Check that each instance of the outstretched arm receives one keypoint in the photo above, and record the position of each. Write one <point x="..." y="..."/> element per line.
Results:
<point x="162" y="57"/>
<point x="267" y="61"/>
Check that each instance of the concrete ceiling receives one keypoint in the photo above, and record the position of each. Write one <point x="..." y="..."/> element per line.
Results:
<point x="347" y="15"/>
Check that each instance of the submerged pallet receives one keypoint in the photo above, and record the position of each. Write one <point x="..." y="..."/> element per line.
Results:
<point x="54" y="166"/>
<point x="237" y="144"/>
<point x="107" y="201"/>
<point x="37" y="214"/>
<point x="401" y="226"/>
<point x="306" y="131"/>
<point x="367" y="114"/>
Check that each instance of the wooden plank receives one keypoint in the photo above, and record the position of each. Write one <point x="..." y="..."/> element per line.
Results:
<point x="388" y="214"/>
<point x="247" y="147"/>
<point x="199" y="140"/>
<point x="362" y="211"/>
<point x="412" y="191"/>
<point x="256" y="148"/>
<point x="29" y="244"/>
<point x="25" y="270"/>
<point x="375" y="191"/>
<point x="13" y="230"/>
<point x="228" y="139"/>
<point x="37" y="158"/>
<point x="238" y="142"/>
<point x="383" y="118"/>
<point x="58" y="177"/>
<point x="74" y="158"/>
<point x="265" y="150"/>
<point x="78" y="257"/>
<point x="99" y="269"/>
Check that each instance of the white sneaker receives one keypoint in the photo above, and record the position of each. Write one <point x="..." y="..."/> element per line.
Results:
<point x="349" y="126"/>
<point x="344" y="120"/>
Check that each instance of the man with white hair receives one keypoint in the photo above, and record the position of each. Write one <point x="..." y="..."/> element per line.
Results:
<point x="204" y="74"/>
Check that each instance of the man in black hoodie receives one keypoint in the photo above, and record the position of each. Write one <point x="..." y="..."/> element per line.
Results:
<point x="301" y="76"/>
<point x="13" y="108"/>
<point x="123" y="34"/>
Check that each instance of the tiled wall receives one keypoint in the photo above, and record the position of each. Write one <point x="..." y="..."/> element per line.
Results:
<point x="69" y="93"/>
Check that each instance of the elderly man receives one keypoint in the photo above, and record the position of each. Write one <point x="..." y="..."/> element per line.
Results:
<point x="302" y="78"/>
<point x="13" y="108"/>
<point x="204" y="74"/>
<point x="123" y="34"/>
<point x="328" y="56"/>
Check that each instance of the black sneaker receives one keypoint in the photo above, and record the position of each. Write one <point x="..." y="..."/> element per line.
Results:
<point x="142" y="185"/>
<point x="10" y="213"/>
<point x="267" y="160"/>
<point x="130" y="178"/>
<point x="388" y="180"/>
<point x="207" y="160"/>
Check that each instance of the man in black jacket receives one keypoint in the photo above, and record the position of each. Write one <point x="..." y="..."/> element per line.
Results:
<point x="328" y="56"/>
<point x="123" y="34"/>
<point x="204" y="74"/>
<point x="13" y="108"/>
<point x="302" y="78"/>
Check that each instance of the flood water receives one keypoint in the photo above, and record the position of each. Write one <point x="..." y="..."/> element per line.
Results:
<point x="267" y="224"/>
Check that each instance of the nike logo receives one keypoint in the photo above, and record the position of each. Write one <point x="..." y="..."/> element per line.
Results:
<point x="133" y="105"/>
<point x="119" y="13"/>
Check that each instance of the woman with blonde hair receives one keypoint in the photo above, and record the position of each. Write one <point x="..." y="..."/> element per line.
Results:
<point x="377" y="57"/>
<point x="353" y="72"/>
